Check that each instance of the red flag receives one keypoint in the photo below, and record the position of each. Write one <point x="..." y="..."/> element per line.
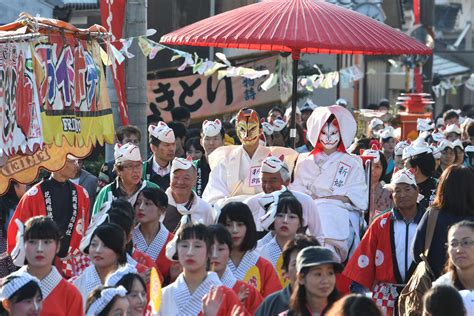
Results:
<point x="112" y="19"/>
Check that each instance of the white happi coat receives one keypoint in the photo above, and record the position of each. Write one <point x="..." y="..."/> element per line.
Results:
<point x="177" y="300"/>
<point x="235" y="176"/>
<point x="310" y="214"/>
<point x="340" y="173"/>
<point x="200" y="211"/>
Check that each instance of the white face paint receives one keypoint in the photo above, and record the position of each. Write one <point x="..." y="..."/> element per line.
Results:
<point x="190" y="249"/>
<point x="36" y="304"/>
<point x="99" y="247"/>
<point x="234" y="227"/>
<point x="40" y="245"/>
<point x="215" y="254"/>
<point x="329" y="136"/>
<point x="141" y="297"/>
<point x="285" y="219"/>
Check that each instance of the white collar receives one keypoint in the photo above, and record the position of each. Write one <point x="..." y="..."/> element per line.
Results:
<point x="191" y="304"/>
<point x="248" y="260"/>
<point x="49" y="282"/>
<point x="228" y="278"/>
<point x="160" y="170"/>
<point x="157" y="244"/>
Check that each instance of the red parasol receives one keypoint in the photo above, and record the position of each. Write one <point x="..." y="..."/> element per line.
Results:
<point x="297" y="26"/>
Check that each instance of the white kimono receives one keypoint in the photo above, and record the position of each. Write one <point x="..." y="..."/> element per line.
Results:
<point x="310" y="214"/>
<point x="154" y="248"/>
<point x="87" y="282"/>
<point x="338" y="174"/>
<point x="177" y="300"/>
<point x="271" y="251"/>
<point x="264" y="240"/>
<point x="235" y="176"/>
<point x="200" y="211"/>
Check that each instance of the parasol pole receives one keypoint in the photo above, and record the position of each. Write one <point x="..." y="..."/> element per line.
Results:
<point x="295" y="54"/>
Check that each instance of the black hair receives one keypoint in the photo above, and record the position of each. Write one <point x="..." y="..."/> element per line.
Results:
<point x="219" y="233"/>
<point x="27" y="291"/>
<point x="120" y="218"/>
<point x="383" y="162"/>
<point x="277" y="109"/>
<point x="300" y="242"/>
<point x="240" y="212"/>
<point x="287" y="202"/>
<point x="157" y="196"/>
<point x="194" y="142"/>
<point x="425" y="162"/>
<point x="95" y="295"/>
<point x="180" y="113"/>
<point x="193" y="231"/>
<point x="443" y="300"/>
<point x="41" y="227"/>
<point x="124" y="205"/>
<point x="178" y="128"/>
<point x="355" y="305"/>
<point x="449" y="266"/>
<point x="127" y="130"/>
<point x="127" y="281"/>
<point x="113" y="236"/>
<point x="450" y="114"/>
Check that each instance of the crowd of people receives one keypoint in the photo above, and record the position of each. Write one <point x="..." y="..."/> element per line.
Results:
<point x="236" y="222"/>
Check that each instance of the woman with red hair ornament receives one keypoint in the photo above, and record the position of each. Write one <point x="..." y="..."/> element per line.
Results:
<point x="334" y="178"/>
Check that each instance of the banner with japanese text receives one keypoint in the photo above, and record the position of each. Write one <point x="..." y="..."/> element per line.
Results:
<point x="209" y="96"/>
<point x="72" y="92"/>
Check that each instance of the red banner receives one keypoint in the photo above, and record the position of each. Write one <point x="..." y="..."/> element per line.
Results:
<point x="112" y="18"/>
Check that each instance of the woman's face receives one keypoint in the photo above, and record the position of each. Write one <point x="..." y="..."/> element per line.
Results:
<point x="389" y="145"/>
<point x="147" y="211"/>
<point x="447" y="157"/>
<point x="101" y="255"/>
<point x="461" y="247"/>
<point x="196" y="154"/>
<point x="237" y="231"/>
<point x="131" y="172"/>
<point x="319" y="281"/>
<point x="192" y="254"/>
<point x="377" y="170"/>
<point x="286" y="224"/>
<point x="459" y="155"/>
<point x="399" y="164"/>
<point x="278" y="139"/>
<point x="120" y="307"/>
<point x="211" y="143"/>
<point x="27" y="307"/>
<point x="137" y="299"/>
<point x="219" y="256"/>
<point x="40" y="252"/>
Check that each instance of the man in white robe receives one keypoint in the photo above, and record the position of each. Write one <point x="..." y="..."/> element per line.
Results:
<point x="235" y="170"/>
<point x="334" y="178"/>
<point x="274" y="176"/>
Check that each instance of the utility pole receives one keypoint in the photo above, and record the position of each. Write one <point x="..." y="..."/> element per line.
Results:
<point x="136" y="69"/>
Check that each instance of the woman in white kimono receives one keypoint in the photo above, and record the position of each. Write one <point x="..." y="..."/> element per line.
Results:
<point x="185" y="295"/>
<point x="334" y="178"/>
<point x="106" y="251"/>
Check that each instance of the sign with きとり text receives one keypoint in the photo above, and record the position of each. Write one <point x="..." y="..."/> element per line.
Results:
<point x="208" y="96"/>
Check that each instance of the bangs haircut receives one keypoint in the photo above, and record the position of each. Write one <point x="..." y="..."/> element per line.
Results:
<point x="127" y="281"/>
<point x="240" y="212"/>
<point x="288" y="203"/>
<point x="195" y="231"/>
<point x="219" y="233"/>
<point x="113" y="237"/>
<point x="424" y="161"/>
<point x="157" y="196"/>
<point x="27" y="291"/>
<point x="300" y="242"/>
<point x="42" y="227"/>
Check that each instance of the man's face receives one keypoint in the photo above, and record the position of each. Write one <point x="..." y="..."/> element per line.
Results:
<point x="183" y="181"/>
<point x="404" y="196"/>
<point x="210" y="143"/>
<point x="271" y="182"/>
<point x="329" y="136"/>
<point x="131" y="138"/>
<point x="164" y="151"/>
<point x="70" y="169"/>
<point x="247" y="127"/>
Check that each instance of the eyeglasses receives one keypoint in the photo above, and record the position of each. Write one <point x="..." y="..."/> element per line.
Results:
<point x="463" y="243"/>
<point x="132" y="166"/>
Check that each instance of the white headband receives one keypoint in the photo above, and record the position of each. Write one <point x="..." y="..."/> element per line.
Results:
<point x="458" y="143"/>
<point x="211" y="128"/>
<point x="437" y="136"/>
<point x="401" y="145"/>
<point x="115" y="277"/>
<point x="387" y="132"/>
<point x="273" y="164"/>
<point x="469" y="149"/>
<point x="442" y="145"/>
<point x="452" y="128"/>
<point x="14" y="282"/>
<point x="373" y="152"/>
<point x="162" y="132"/>
<point x="181" y="164"/>
<point x="416" y="148"/>
<point x="126" y="152"/>
<point x="106" y="296"/>
<point x="375" y="122"/>
<point x="423" y="125"/>
<point x="272" y="198"/>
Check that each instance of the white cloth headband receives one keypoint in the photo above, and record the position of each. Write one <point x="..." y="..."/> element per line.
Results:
<point x="14" y="282"/>
<point x="162" y="132"/>
<point x="211" y="128"/>
<point x="114" y="278"/>
<point x="273" y="164"/>
<point x="375" y="122"/>
<point x="181" y="164"/>
<point x="126" y="152"/>
<point x="272" y="198"/>
<point x="106" y="296"/>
